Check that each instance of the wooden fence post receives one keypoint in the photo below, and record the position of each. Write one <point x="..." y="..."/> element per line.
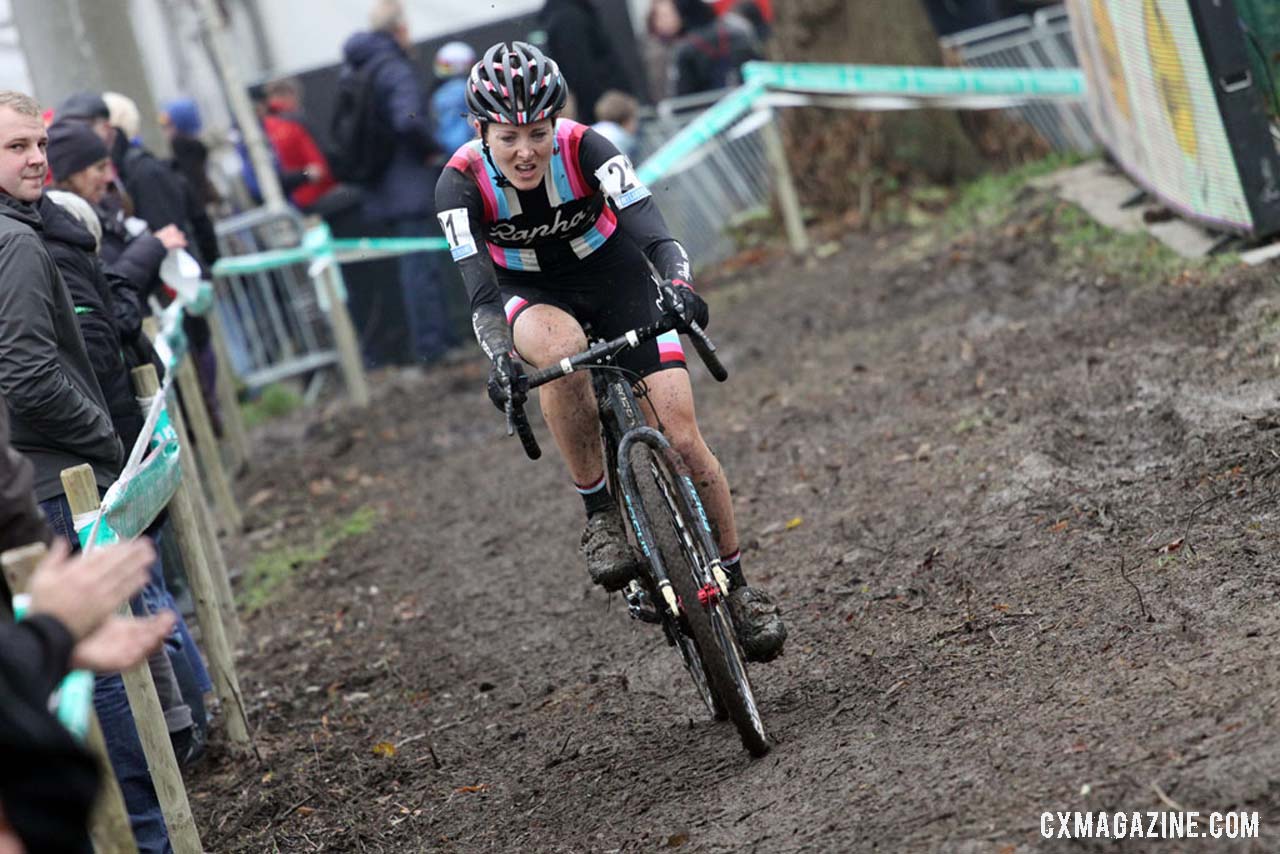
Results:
<point x="191" y="476"/>
<point x="186" y="524"/>
<point x="344" y="335"/>
<point x="207" y="446"/>
<point x="82" y="494"/>
<point x="233" y="430"/>
<point x="788" y="199"/>
<point x="109" y="823"/>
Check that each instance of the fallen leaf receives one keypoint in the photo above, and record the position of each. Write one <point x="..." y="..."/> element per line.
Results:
<point x="1060" y="526"/>
<point x="384" y="748"/>
<point x="470" y="790"/>
<point x="795" y="523"/>
<point x="266" y="778"/>
<point x="1170" y="547"/>
<point x="305" y="810"/>
<point x="675" y="840"/>
<point x="262" y="496"/>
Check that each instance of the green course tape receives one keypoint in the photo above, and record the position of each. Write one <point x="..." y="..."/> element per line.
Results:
<point x="722" y="115"/>
<point x="317" y="243"/>
<point x="921" y="82"/>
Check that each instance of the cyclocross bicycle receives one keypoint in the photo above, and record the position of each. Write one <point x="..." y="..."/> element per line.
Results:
<point x="681" y="585"/>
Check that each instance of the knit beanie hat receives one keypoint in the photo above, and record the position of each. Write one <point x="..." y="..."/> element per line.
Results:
<point x="184" y="116"/>
<point x="73" y="146"/>
<point x="82" y="105"/>
<point x="124" y="113"/>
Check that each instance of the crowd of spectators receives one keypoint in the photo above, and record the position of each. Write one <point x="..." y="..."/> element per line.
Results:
<point x="77" y="270"/>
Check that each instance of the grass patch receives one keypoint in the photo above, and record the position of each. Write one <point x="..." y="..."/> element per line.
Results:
<point x="1083" y="239"/>
<point x="989" y="200"/>
<point x="271" y="570"/>
<point x="275" y="401"/>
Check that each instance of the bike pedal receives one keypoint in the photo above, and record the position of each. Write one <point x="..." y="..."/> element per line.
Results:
<point x="639" y="605"/>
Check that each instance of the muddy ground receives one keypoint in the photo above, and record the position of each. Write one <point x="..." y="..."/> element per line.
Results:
<point x="1020" y="512"/>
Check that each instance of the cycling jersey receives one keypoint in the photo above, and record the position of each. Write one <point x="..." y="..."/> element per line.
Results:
<point x="588" y="221"/>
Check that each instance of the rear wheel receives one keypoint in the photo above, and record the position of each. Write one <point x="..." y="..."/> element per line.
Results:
<point x="707" y="618"/>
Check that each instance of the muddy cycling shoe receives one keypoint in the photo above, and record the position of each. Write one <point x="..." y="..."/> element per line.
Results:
<point x="610" y="560"/>
<point x="760" y="628"/>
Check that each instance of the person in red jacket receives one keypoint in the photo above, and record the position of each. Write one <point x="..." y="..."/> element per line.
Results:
<point x="305" y="170"/>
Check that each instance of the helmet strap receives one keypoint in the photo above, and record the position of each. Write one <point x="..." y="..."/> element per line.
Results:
<point x="488" y="155"/>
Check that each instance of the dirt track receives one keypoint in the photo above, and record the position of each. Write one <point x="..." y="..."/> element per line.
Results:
<point x="985" y="445"/>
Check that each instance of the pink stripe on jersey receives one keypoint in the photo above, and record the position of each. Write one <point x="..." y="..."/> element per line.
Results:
<point x="481" y="176"/>
<point x="608" y="222"/>
<point x="499" y="257"/>
<point x="568" y="135"/>
<point x="513" y="307"/>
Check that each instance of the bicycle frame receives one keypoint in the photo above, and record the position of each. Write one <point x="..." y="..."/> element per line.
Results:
<point x="623" y="426"/>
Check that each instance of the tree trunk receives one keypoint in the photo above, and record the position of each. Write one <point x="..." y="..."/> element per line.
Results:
<point x="852" y="158"/>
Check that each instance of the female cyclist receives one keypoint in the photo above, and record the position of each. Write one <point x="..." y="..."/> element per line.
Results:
<point x="553" y="231"/>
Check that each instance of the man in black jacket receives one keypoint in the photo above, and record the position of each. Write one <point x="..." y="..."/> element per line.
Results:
<point x="57" y="412"/>
<point x="59" y="416"/>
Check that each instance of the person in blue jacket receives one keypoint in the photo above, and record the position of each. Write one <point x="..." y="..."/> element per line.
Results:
<point x="400" y="198"/>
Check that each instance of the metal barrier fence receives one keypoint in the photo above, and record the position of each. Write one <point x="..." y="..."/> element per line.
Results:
<point x="1042" y="40"/>
<point x="725" y="182"/>
<point x="276" y="327"/>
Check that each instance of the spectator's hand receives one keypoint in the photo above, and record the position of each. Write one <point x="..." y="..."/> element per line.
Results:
<point x="122" y="642"/>
<point x="81" y="592"/>
<point x="172" y="237"/>
<point x="9" y="841"/>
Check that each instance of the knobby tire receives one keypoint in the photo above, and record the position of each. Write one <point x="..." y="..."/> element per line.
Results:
<point x="712" y="632"/>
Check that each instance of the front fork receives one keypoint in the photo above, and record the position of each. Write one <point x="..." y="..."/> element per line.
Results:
<point x="688" y="503"/>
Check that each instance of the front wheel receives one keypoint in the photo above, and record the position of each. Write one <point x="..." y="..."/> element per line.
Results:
<point x="668" y="499"/>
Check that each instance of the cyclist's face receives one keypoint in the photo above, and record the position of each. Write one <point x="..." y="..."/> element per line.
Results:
<point x="522" y="152"/>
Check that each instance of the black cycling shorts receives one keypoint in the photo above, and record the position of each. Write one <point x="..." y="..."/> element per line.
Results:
<point x="610" y="298"/>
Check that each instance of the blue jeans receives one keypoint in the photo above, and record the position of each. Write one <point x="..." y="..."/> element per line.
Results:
<point x="156" y="597"/>
<point x="118" y="729"/>
<point x="422" y="285"/>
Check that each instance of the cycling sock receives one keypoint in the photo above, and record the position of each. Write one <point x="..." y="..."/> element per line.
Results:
<point x="596" y="497"/>
<point x="732" y="564"/>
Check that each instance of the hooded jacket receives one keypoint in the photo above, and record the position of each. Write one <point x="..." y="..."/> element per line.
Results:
<point x="57" y="412"/>
<point x="406" y="188"/>
<point x="72" y="248"/>
<point x="710" y="55"/>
